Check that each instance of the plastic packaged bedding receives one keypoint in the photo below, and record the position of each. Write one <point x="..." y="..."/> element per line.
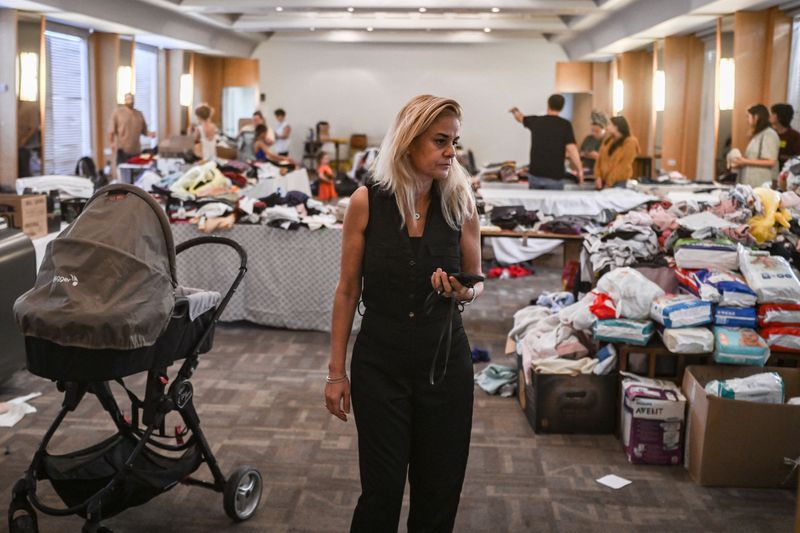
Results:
<point x="735" y="317"/>
<point x="779" y="314"/>
<point x="766" y="387"/>
<point x="770" y="276"/>
<point x="688" y="340"/>
<point x="782" y="338"/>
<point x="695" y="253"/>
<point x="680" y="311"/>
<point x="725" y="288"/>
<point x="739" y="346"/>
<point x="629" y="331"/>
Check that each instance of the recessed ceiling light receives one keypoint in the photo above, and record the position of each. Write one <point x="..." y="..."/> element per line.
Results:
<point x="370" y="28"/>
<point x="495" y="10"/>
<point x="279" y="9"/>
<point x="487" y="30"/>
<point x="422" y="10"/>
<point x="350" y="9"/>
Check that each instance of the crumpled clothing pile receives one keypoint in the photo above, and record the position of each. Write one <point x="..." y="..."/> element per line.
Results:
<point x="629" y="239"/>
<point x="202" y="180"/>
<point x="541" y="334"/>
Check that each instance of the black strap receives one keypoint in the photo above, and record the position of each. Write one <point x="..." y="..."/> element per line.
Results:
<point x="447" y="329"/>
<point x="136" y="403"/>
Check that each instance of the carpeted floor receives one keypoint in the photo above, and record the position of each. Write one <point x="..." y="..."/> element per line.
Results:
<point x="260" y="397"/>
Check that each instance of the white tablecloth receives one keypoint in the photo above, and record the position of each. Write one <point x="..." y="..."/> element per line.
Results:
<point x="291" y="275"/>
<point x="293" y="181"/>
<point x="561" y="203"/>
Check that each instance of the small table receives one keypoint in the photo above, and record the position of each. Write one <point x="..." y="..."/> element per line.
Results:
<point x="572" y="243"/>
<point x="653" y="351"/>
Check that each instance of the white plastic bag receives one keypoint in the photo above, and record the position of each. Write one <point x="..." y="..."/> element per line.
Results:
<point x="766" y="387"/>
<point x="631" y="291"/>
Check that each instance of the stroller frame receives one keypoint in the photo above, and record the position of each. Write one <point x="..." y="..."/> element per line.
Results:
<point x="242" y="490"/>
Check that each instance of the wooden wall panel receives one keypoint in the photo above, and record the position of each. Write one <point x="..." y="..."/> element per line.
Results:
<point x="240" y="72"/>
<point x="749" y="54"/>
<point x="636" y="73"/>
<point x="104" y="63"/>
<point x="8" y="99"/>
<point x="208" y="81"/>
<point x="573" y="77"/>
<point x="601" y="86"/>
<point x="683" y="70"/>
<point x="779" y="48"/>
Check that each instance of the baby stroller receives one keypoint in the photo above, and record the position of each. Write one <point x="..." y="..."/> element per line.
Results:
<point x="106" y="305"/>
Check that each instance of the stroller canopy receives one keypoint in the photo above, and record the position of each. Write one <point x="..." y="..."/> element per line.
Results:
<point x="108" y="280"/>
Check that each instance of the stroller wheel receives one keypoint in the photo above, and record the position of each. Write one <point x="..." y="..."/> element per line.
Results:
<point x="23" y="523"/>
<point x="242" y="493"/>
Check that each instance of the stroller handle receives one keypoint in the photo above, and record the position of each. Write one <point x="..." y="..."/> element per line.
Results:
<point x="212" y="239"/>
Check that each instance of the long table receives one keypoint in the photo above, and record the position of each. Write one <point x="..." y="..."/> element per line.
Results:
<point x="291" y="275"/>
<point x="571" y="243"/>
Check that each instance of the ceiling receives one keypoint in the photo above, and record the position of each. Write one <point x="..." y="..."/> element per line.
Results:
<point x="585" y="29"/>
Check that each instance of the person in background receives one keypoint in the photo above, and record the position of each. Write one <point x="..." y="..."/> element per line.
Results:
<point x="590" y="147"/>
<point x="205" y="133"/>
<point x="760" y="162"/>
<point x="402" y="239"/>
<point x="282" y="132"/>
<point x="126" y="126"/>
<point x="614" y="165"/>
<point x="327" y="187"/>
<point x="780" y="119"/>
<point x="262" y="149"/>
<point x="551" y="138"/>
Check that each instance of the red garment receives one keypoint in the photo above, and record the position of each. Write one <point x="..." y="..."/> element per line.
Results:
<point x="144" y="159"/>
<point x="603" y="307"/>
<point x="236" y="178"/>
<point x="326" y="192"/>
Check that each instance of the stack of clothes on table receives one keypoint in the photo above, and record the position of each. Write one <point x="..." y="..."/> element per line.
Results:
<point x="218" y="194"/>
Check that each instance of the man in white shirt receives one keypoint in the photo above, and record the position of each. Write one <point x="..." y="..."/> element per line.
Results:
<point x="282" y="132"/>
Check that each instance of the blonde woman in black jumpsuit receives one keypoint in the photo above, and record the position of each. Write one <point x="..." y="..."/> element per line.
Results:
<point x="402" y="237"/>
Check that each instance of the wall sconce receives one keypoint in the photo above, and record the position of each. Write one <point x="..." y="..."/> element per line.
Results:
<point x="124" y="83"/>
<point x="28" y="76"/>
<point x="186" y="90"/>
<point x="659" y="90"/>
<point x="618" y="96"/>
<point x="727" y="83"/>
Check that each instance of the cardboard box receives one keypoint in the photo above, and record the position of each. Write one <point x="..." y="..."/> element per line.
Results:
<point x="735" y="443"/>
<point x="653" y="415"/>
<point x="28" y="213"/>
<point x="554" y="403"/>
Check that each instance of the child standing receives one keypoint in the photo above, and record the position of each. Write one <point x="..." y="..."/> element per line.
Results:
<point x="327" y="190"/>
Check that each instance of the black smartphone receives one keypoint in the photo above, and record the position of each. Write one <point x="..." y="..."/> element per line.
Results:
<point x="466" y="279"/>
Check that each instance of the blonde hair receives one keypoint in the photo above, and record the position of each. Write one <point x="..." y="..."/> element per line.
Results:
<point x="393" y="170"/>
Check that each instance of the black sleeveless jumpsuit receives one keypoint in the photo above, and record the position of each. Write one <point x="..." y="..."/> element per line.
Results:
<point x="405" y="424"/>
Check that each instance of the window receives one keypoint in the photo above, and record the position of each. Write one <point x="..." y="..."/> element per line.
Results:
<point x="145" y="63"/>
<point x="67" y="115"/>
